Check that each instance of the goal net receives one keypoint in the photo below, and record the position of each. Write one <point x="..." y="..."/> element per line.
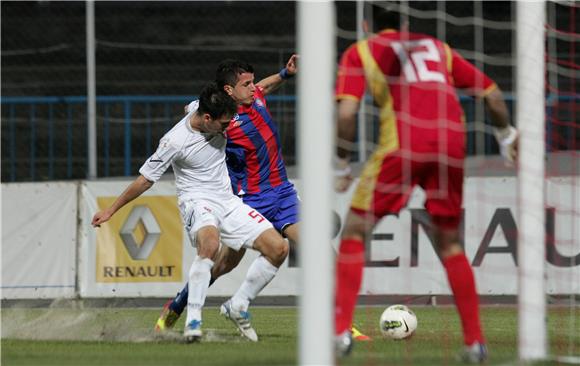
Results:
<point x="528" y="286"/>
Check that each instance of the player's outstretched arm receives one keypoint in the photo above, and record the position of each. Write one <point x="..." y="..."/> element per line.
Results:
<point x="497" y="108"/>
<point x="506" y="135"/>
<point x="133" y="191"/>
<point x="347" y="110"/>
<point x="273" y="82"/>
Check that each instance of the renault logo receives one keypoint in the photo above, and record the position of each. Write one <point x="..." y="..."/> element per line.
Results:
<point x="142" y="218"/>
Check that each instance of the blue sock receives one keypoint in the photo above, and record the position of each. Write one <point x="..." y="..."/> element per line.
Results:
<point x="180" y="301"/>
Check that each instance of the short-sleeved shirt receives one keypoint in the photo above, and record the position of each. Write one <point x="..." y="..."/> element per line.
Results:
<point x="197" y="159"/>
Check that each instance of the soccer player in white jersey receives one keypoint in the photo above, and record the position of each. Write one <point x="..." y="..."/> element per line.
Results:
<point x="195" y="148"/>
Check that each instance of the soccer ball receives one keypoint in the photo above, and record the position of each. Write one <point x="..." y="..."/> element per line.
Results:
<point x="398" y="322"/>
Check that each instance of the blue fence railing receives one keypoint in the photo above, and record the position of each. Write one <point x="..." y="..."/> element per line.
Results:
<point x="45" y="138"/>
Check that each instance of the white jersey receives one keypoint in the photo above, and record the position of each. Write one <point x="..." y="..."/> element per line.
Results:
<point x="198" y="161"/>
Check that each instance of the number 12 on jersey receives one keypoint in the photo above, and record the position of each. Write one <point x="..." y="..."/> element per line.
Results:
<point x="413" y="56"/>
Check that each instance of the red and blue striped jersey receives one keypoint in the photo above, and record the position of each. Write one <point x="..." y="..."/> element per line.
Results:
<point x="253" y="151"/>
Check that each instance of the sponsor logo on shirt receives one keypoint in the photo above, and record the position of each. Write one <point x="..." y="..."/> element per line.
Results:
<point x="259" y="103"/>
<point x="236" y="120"/>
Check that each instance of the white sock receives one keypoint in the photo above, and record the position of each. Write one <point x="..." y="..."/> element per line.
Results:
<point x="199" y="276"/>
<point x="260" y="273"/>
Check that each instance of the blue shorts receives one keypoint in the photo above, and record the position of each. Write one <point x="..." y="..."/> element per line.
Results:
<point x="279" y="205"/>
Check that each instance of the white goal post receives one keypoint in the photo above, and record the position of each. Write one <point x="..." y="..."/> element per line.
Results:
<point x="530" y="113"/>
<point x="316" y="135"/>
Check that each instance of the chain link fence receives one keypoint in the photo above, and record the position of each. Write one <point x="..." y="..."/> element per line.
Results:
<point x="153" y="57"/>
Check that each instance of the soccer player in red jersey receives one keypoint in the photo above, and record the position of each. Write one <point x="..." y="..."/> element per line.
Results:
<point x="412" y="79"/>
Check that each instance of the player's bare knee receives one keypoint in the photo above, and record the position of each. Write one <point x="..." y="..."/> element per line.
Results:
<point x="208" y="248"/>
<point x="356" y="227"/>
<point x="448" y="242"/>
<point x="281" y="250"/>
<point x="276" y="251"/>
<point x="450" y="250"/>
<point x="272" y="246"/>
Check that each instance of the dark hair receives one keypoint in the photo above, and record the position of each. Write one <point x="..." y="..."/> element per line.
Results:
<point x="383" y="14"/>
<point x="228" y="72"/>
<point x="216" y="102"/>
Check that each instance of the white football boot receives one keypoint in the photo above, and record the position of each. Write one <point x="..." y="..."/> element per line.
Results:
<point x="192" y="332"/>
<point x="241" y="319"/>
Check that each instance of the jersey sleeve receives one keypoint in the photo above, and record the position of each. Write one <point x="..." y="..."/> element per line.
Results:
<point x="467" y="76"/>
<point x="350" y="81"/>
<point x="160" y="161"/>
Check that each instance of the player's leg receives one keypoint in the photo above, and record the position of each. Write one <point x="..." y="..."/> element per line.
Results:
<point x="349" y="274"/>
<point x="349" y="269"/>
<point x="444" y="205"/>
<point x="172" y="310"/>
<point x="291" y="233"/>
<point x="245" y="227"/>
<point x="274" y="250"/>
<point x="381" y="194"/>
<point x="462" y="283"/>
<point x="226" y="260"/>
<point x="207" y="242"/>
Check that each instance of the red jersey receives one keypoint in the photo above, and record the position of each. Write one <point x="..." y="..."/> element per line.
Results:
<point x="412" y="79"/>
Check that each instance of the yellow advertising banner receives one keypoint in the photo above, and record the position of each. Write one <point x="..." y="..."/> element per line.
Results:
<point x="142" y="242"/>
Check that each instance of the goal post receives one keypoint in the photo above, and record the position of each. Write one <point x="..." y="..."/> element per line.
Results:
<point x="316" y="136"/>
<point x="530" y="112"/>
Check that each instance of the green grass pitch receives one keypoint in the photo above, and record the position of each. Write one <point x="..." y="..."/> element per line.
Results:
<point x="124" y="337"/>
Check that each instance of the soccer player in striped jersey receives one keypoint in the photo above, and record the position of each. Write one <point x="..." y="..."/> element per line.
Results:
<point x="255" y="164"/>
<point x="412" y="79"/>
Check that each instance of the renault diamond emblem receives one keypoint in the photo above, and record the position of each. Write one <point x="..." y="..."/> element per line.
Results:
<point x="140" y="214"/>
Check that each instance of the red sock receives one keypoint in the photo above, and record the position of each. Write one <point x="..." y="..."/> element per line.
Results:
<point x="462" y="282"/>
<point x="349" y="272"/>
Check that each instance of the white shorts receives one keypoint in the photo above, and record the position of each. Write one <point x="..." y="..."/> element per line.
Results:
<point x="239" y="225"/>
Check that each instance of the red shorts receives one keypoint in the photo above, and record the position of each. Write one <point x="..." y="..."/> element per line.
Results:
<point x="387" y="181"/>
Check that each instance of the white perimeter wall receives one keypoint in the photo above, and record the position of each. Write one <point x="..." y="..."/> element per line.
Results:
<point x="39" y="240"/>
<point x="50" y="250"/>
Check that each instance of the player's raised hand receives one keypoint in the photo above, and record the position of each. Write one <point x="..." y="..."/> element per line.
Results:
<point x="101" y="217"/>
<point x="292" y="64"/>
